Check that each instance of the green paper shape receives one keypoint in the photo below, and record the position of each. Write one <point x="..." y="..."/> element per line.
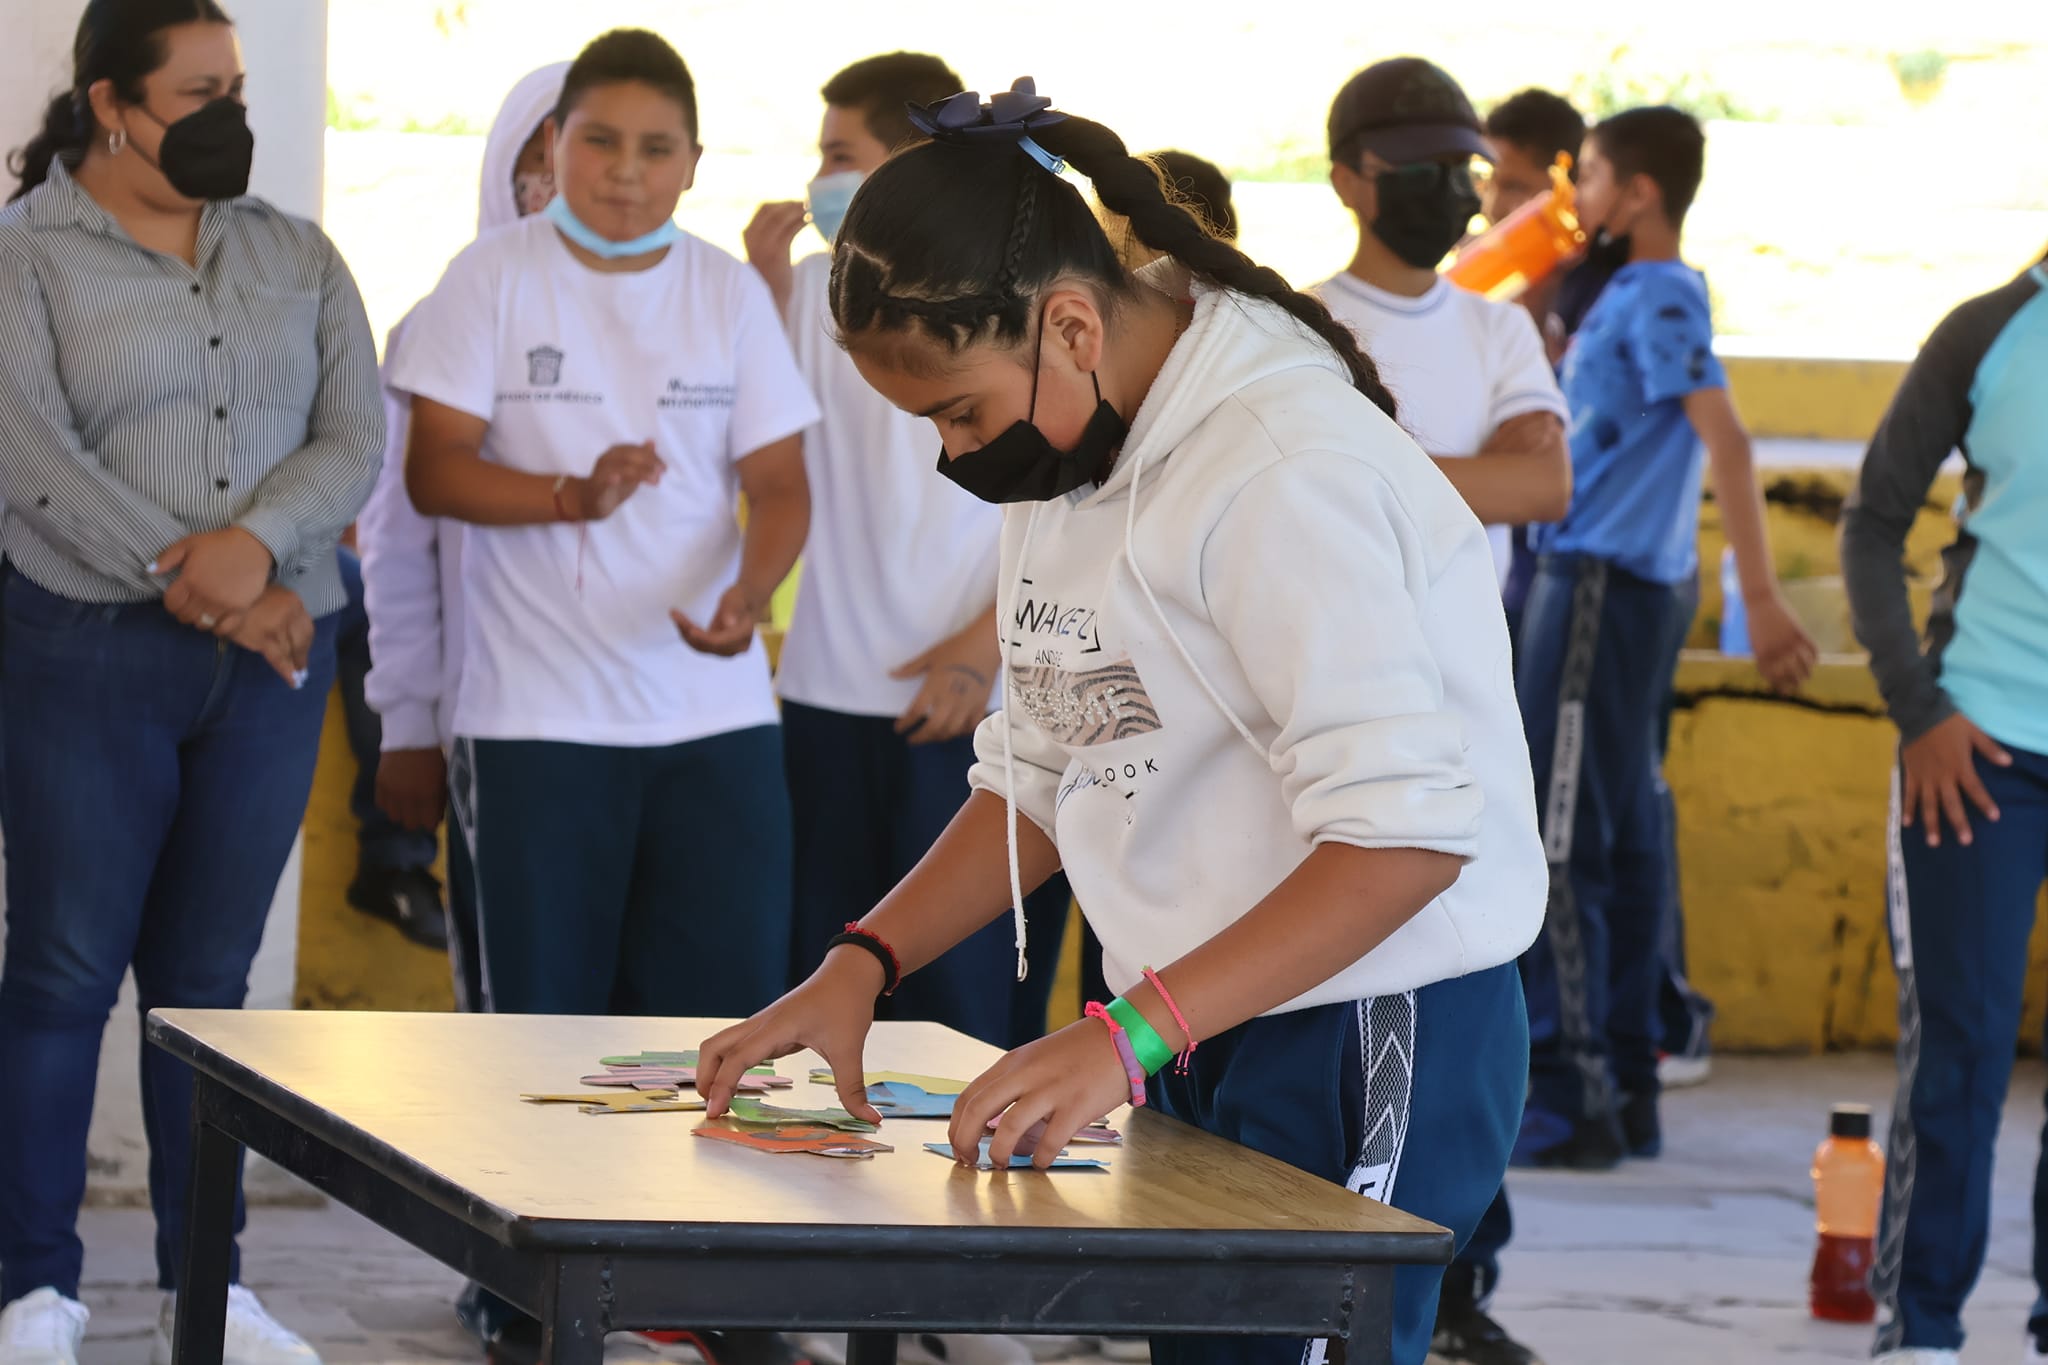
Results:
<point x="769" y="1115"/>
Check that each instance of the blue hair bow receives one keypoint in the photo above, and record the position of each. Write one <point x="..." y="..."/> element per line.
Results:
<point x="965" y="121"/>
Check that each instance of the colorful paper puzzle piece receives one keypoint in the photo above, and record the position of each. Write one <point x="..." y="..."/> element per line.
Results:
<point x="675" y="1078"/>
<point x="678" y="1059"/>
<point x="669" y="1076"/>
<point x="629" y="1102"/>
<point x="758" y="1114"/>
<point x="931" y="1085"/>
<point x="902" y="1100"/>
<point x="794" y="1137"/>
<point x="1020" y="1161"/>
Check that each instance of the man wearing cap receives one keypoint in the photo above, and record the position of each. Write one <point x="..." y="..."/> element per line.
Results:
<point x="1474" y="385"/>
<point x="1476" y="391"/>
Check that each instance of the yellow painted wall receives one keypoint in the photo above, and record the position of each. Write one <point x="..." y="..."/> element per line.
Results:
<point x="347" y="960"/>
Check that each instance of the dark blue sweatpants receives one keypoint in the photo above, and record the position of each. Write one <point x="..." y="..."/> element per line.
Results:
<point x="1412" y="1099"/>
<point x="867" y="805"/>
<point x="1599" y="650"/>
<point x="1960" y="919"/>
<point x="613" y="880"/>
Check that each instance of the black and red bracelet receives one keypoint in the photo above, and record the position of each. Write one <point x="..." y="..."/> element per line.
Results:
<point x="872" y="942"/>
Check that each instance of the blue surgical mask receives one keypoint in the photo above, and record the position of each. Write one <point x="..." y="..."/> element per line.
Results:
<point x="582" y="234"/>
<point x="828" y="198"/>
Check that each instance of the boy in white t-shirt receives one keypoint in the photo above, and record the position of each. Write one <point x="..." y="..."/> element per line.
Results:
<point x="1476" y="391"/>
<point x="890" y="661"/>
<point x="592" y="391"/>
<point x="1475" y="387"/>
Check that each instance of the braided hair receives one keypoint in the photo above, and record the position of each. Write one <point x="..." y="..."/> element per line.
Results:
<point x="954" y="243"/>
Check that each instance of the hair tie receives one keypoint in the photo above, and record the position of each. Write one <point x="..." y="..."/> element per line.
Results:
<point x="963" y="120"/>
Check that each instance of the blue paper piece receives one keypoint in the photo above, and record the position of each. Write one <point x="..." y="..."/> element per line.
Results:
<point x="901" y="1100"/>
<point x="1062" y="1162"/>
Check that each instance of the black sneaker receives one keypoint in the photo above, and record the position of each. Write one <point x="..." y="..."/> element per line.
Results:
<point x="1640" y="1127"/>
<point x="408" y="897"/>
<point x="1552" y="1142"/>
<point x="1466" y="1336"/>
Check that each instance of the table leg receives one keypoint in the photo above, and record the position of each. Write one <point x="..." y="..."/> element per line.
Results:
<point x="871" y="1348"/>
<point x="197" y="1336"/>
<point x="573" y="1317"/>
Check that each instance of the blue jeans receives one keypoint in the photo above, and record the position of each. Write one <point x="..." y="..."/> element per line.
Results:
<point x="1960" y="919"/>
<point x="867" y="806"/>
<point x="154" y="782"/>
<point x="382" y="842"/>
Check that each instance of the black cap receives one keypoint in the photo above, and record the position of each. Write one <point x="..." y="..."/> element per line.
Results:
<point x="1404" y="111"/>
<point x="1850" y="1121"/>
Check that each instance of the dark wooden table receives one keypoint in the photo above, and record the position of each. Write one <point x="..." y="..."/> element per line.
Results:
<point x="602" y="1223"/>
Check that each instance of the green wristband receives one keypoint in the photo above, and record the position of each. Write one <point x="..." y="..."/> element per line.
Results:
<point x="1153" y="1051"/>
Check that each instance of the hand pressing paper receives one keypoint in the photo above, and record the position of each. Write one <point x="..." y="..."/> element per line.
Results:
<point x="1022" y="1161"/>
<point x="1097" y="1133"/>
<point x="795" y="1137"/>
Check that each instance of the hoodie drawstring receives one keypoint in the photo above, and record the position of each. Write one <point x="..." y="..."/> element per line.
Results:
<point x="1005" y="621"/>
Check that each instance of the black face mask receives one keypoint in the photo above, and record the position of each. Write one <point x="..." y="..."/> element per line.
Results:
<point x="1424" y="211"/>
<point x="1020" y="465"/>
<point x="207" y="153"/>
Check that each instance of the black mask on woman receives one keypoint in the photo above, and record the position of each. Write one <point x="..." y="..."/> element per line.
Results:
<point x="207" y="153"/>
<point x="1021" y="465"/>
<point x="1424" y="211"/>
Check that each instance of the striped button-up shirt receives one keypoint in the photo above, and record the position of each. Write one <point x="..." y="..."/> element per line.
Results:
<point x="143" y="400"/>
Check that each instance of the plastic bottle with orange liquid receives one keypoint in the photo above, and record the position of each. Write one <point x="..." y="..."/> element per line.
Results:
<point x="1848" y="1187"/>
<point x="1523" y="248"/>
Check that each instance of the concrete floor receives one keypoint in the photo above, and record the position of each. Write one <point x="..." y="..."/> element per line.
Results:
<point x="1697" y="1258"/>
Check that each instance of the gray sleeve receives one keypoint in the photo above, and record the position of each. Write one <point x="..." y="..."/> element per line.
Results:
<point x="1928" y="419"/>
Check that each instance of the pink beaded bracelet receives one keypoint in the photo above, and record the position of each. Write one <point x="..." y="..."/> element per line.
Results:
<point x="1124" y="1051"/>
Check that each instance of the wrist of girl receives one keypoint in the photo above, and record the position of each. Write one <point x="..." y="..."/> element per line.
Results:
<point x="1153" y="1051"/>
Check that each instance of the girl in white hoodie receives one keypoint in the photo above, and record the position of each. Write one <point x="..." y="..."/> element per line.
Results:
<point x="1258" y="697"/>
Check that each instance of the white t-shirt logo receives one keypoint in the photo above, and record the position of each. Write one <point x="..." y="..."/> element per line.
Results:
<point x="543" y="366"/>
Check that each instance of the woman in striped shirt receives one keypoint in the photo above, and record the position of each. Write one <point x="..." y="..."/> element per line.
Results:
<point x="189" y="416"/>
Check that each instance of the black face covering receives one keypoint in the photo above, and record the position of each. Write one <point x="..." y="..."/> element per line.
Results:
<point x="1424" y="211"/>
<point x="1020" y="465"/>
<point x="207" y="153"/>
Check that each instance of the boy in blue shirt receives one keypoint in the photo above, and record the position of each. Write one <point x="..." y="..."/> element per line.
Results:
<point x="1606" y="617"/>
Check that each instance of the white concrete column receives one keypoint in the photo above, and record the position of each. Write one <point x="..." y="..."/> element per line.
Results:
<point x="284" y="46"/>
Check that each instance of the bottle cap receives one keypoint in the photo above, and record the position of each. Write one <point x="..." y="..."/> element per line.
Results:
<point x="1850" y="1121"/>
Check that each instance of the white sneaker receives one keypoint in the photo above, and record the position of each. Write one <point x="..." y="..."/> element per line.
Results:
<point x="928" y="1348"/>
<point x="1057" y="1348"/>
<point x="1133" y="1349"/>
<point x="253" y="1336"/>
<point x="1919" y="1356"/>
<point x="43" y="1328"/>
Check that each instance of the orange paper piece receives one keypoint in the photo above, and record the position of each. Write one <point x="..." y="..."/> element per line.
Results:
<point x="795" y="1137"/>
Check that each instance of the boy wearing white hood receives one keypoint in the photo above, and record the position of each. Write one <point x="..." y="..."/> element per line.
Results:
<point x="412" y="564"/>
<point x="1258" y="702"/>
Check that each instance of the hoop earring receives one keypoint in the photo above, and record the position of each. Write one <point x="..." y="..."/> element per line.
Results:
<point x="116" y="140"/>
